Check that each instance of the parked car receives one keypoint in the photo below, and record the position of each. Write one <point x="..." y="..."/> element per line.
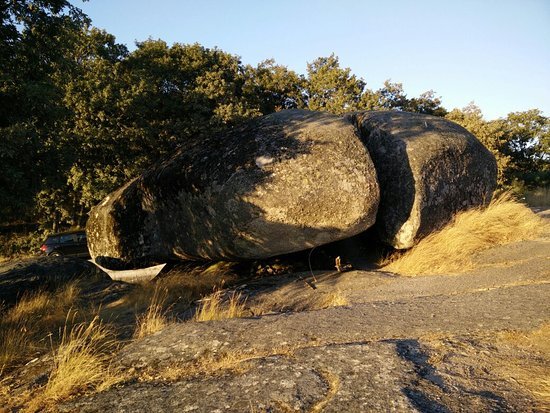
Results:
<point x="71" y="243"/>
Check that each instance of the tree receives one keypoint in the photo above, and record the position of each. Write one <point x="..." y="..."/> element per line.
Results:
<point x="35" y="40"/>
<point x="427" y="103"/>
<point x="527" y="137"/>
<point x="270" y="87"/>
<point x="84" y="147"/>
<point x="520" y="143"/>
<point x="331" y="88"/>
<point x="391" y="96"/>
<point x="131" y="110"/>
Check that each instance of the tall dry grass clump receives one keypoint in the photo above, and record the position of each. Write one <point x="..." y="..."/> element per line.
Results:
<point x="155" y="318"/>
<point x="180" y="289"/>
<point x="24" y="326"/>
<point x="80" y="362"/>
<point x="451" y="249"/>
<point x="214" y="308"/>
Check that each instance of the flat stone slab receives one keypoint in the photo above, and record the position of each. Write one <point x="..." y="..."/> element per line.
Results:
<point x="132" y="276"/>
<point x="426" y="344"/>
<point x="390" y="375"/>
<point x="518" y="308"/>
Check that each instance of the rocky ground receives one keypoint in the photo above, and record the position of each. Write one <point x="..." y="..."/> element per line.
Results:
<point x="477" y="341"/>
<point x="472" y="342"/>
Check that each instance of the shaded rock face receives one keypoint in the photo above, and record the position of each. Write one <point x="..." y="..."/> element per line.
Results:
<point x="281" y="183"/>
<point x="428" y="169"/>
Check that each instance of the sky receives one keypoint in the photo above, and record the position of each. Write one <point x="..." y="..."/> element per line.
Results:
<point x="494" y="53"/>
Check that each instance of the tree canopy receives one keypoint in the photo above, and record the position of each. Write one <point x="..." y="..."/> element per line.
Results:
<point x="80" y="115"/>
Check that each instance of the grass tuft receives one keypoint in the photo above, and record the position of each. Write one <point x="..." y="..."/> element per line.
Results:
<point x="213" y="307"/>
<point x="332" y="299"/>
<point x="155" y="318"/>
<point x="80" y="363"/>
<point x="24" y="326"/>
<point x="14" y="344"/>
<point x="451" y="249"/>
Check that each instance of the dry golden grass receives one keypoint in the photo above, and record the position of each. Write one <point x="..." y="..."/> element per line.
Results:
<point x="82" y="351"/>
<point x="451" y="249"/>
<point x="155" y="318"/>
<point x="44" y="305"/>
<point x="213" y="307"/>
<point x="331" y="299"/>
<point x="179" y="290"/>
<point x="81" y="362"/>
<point x="23" y="327"/>
<point x="14" y="345"/>
<point x="534" y="378"/>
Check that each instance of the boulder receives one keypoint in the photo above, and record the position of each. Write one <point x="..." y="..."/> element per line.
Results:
<point x="428" y="169"/>
<point x="281" y="183"/>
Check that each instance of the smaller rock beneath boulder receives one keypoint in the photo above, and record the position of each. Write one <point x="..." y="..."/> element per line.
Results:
<point x="428" y="169"/>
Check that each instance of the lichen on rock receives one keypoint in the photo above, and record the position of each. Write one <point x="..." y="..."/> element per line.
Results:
<point x="281" y="183"/>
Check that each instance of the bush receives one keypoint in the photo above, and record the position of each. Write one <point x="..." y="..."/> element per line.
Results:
<point x="15" y="244"/>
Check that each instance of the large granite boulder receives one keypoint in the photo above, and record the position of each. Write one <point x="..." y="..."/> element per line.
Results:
<point x="428" y="169"/>
<point x="281" y="183"/>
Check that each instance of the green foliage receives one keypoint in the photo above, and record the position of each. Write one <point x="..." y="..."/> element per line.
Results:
<point x="270" y="87"/>
<point x="331" y="88"/>
<point x="520" y="143"/>
<point x="80" y="115"/>
<point x="36" y="41"/>
<point x="13" y="244"/>
<point x="391" y="96"/>
<point x="130" y="111"/>
<point x="527" y="136"/>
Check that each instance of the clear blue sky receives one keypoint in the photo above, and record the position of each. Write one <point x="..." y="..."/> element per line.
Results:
<point x="495" y="53"/>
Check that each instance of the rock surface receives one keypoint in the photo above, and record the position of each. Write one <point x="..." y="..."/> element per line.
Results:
<point x="281" y="183"/>
<point x="457" y="343"/>
<point x="428" y="168"/>
<point x="44" y="273"/>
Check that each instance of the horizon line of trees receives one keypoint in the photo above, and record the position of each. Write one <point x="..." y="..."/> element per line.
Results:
<point x="80" y="115"/>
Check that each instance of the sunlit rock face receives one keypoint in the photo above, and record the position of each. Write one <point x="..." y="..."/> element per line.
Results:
<point x="428" y="169"/>
<point x="278" y="184"/>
